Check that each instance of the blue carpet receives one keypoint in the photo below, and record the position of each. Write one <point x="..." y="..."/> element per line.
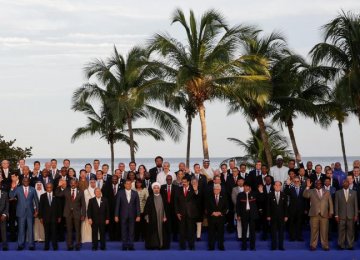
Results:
<point x="294" y="250"/>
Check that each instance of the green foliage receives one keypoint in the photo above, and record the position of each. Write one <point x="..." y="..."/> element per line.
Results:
<point x="13" y="153"/>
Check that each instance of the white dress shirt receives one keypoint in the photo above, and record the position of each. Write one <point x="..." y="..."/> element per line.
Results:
<point x="161" y="177"/>
<point x="128" y="195"/>
<point x="279" y="174"/>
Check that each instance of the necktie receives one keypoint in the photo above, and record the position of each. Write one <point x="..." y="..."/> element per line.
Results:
<point x="185" y="192"/>
<point x="26" y="192"/>
<point x="49" y="199"/>
<point x="217" y="199"/>
<point x="247" y="202"/>
<point x="114" y="189"/>
<point x="73" y="194"/>
<point x="297" y="191"/>
<point x="257" y="173"/>
<point x="357" y="180"/>
<point x="168" y="194"/>
<point x="277" y="197"/>
<point x="346" y="195"/>
<point x="319" y="193"/>
<point x="98" y="184"/>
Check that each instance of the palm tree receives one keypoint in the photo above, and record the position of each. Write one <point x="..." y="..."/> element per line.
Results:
<point x="131" y="80"/>
<point x="298" y="88"/>
<point x="99" y="122"/>
<point x="203" y="62"/>
<point x="254" y="146"/>
<point x="259" y="55"/>
<point x="341" y="50"/>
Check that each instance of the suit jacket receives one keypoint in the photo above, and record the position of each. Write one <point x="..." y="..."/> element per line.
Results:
<point x="25" y="207"/>
<point x="57" y="174"/>
<point x="297" y="203"/>
<point x="173" y="190"/>
<point x="58" y="178"/>
<point x="275" y="210"/>
<point x="187" y="206"/>
<point x="323" y="206"/>
<point x="211" y="206"/>
<point x="253" y="173"/>
<point x="313" y="178"/>
<point x="4" y="203"/>
<point x="76" y="207"/>
<point x="49" y="213"/>
<point x="42" y="179"/>
<point x="335" y="184"/>
<point x="250" y="178"/>
<point x="253" y="197"/>
<point x="259" y="180"/>
<point x="153" y="173"/>
<point x="202" y="182"/>
<point x="125" y="209"/>
<point x="98" y="214"/>
<point x="346" y="209"/>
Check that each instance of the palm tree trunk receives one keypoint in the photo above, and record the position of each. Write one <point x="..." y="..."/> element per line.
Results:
<point x="112" y="156"/>
<point x="131" y="136"/>
<point x="201" y="109"/>
<point x="188" y="144"/>
<point x="343" y="145"/>
<point x="265" y="139"/>
<point x="290" y="125"/>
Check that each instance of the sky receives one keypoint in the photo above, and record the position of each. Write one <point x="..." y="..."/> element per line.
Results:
<point x="44" y="45"/>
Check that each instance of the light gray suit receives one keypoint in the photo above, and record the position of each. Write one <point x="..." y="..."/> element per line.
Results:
<point x="347" y="211"/>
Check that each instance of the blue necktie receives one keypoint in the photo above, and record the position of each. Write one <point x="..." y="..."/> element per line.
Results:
<point x="297" y="192"/>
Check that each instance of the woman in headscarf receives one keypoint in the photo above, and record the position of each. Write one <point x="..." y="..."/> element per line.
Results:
<point x="89" y="193"/>
<point x="39" y="233"/>
<point x="157" y="235"/>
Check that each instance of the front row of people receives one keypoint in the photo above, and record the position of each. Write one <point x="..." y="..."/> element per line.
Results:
<point x="157" y="214"/>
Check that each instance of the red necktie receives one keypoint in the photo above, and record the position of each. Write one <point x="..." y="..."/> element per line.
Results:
<point x="185" y="192"/>
<point x="168" y="194"/>
<point x="73" y="195"/>
<point x="217" y="200"/>
<point x="26" y="192"/>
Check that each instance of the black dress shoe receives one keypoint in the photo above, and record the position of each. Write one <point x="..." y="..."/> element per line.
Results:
<point x="93" y="248"/>
<point x="300" y="239"/>
<point x="243" y="248"/>
<point x="221" y="248"/>
<point x="5" y="248"/>
<point x="124" y="248"/>
<point x="20" y="248"/>
<point x="103" y="248"/>
<point x="350" y="248"/>
<point x="252" y="249"/>
<point x="55" y="248"/>
<point x="198" y="239"/>
<point x="70" y="248"/>
<point x="31" y="248"/>
<point x="211" y="248"/>
<point x="46" y="248"/>
<point x="281" y="249"/>
<point x="131" y="248"/>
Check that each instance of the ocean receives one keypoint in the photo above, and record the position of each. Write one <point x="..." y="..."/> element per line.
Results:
<point x="79" y="163"/>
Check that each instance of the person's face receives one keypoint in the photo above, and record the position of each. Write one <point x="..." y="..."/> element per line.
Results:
<point x="206" y="164"/>
<point x="37" y="166"/>
<point x="258" y="166"/>
<point x="277" y="186"/>
<point x="240" y="182"/>
<point x="168" y="179"/>
<point x="138" y="184"/>
<point x="73" y="184"/>
<point x="121" y="167"/>
<point x="247" y="188"/>
<point x="297" y="182"/>
<point x="92" y="184"/>
<point x="264" y="170"/>
<point x="197" y="169"/>
<point x="45" y="173"/>
<point x="156" y="189"/>
<point x="38" y="186"/>
<point x="114" y="179"/>
<point x="182" y="166"/>
<point x="345" y="184"/>
<point x="26" y="170"/>
<point x="118" y="173"/>
<point x="132" y="167"/>
<point x="141" y="169"/>
<point x="356" y="172"/>
<point x="318" y="169"/>
<point x="355" y="164"/>
<point x="66" y="164"/>
<point x="14" y="178"/>
<point x="302" y="172"/>
<point x="53" y="164"/>
<point x="180" y="175"/>
<point x="21" y="163"/>
<point x="185" y="183"/>
<point x="291" y="164"/>
<point x="231" y="164"/>
<point x="71" y="173"/>
<point x="223" y="168"/>
<point x="128" y="185"/>
<point x="96" y="164"/>
<point x="88" y="168"/>
<point x="337" y="165"/>
<point x="158" y="162"/>
<point x="327" y="183"/>
<point x="350" y="179"/>
<point x="318" y="185"/>
<point x="267" y="180"/>
<point x="63" y="172"/>
<point x="309" y="165"/>
<point x="279" y="162"/>
<point x="217" y="190"/>
<point x="166" y="167"/>
<point x="147" y="175"/>
<point x="329" y="173"/>
<point x="99" y="175"/>
<point x="131" y="176"/>
<point x="49" y="188"/>
<point x="235" y="172"/>
<point x="291" y="175"/>
<point x="26" y="182"/>
<point x="5" y="164"/>
<point x="242" y="168"/>
<point x="83" y="174"/>
<point x="217" y="180"/>
<point x="105" y="169"/>
<point x="98" y="193"/>
<point x="48" y="165"/>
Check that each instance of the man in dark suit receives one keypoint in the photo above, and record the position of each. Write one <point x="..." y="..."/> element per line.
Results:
<point x="262" y="205"/>
<point x="147" y="182"/>
<point x="5" y="172"/>
<point x="26" y="209"/>
<point x="309" y="171"/>
<point x="127" y="210"/>
<point x="247" y="212"/>
<point x="216" y="208"/>
<point x="98" y="217"/>
<point x="74" y="210"/>
<point x="260" y="179"/>
<point x="157" y="169"/>
<point x="318" y="175"/>
<point x="26" y="173"/>
<point x="111" y="192"/>
<point x="168" y="191"/>
<point x="50" y="216"/>
<point x="13" y="228"/>
<point x="45" y="178"/>
<point x="333" y="181"/>
<point x="228" y="179"/>
<point x="4" y="213"/>
<point x="277" y="215"/>
<point x="296" y="210"/>
<point x="187" y="212"/>
<point x="62" y="176"/>
<point x="257" y="171"/>
<point x="249" y="178"/>
<point x="54" y="171"/>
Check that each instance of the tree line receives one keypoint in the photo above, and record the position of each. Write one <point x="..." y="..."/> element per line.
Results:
<point x="253" y="72"/>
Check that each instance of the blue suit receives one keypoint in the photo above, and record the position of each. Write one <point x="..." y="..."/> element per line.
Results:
<point x="127" y="212"/>
<point x="25" y="209"/>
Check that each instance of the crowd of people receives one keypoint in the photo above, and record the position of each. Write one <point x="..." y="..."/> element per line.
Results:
<point x="160" y="206"/>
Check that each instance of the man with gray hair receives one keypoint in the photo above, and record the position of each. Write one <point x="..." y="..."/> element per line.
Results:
<point x="217" y="207"/>
<point x="161" y="177"/>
